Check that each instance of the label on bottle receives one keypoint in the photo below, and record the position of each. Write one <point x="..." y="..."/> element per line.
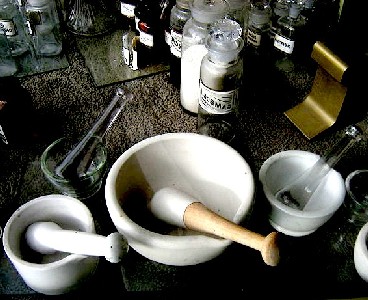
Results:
<point x="216" y="102"/>
<point x="175" y="47"/>
<point x="146" y="38"/>
<point x="8" y="27"/>
<point x="127" y="10"/>
<point x="283" y="44"/>
<point x="253" y="38"/>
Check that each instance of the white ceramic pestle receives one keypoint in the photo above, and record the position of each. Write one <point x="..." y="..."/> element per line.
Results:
<point x="49" y="237"/>
<point x="178" y="208"/>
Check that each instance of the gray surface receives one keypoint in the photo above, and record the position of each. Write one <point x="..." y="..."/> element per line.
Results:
<point x="67" y="101"/>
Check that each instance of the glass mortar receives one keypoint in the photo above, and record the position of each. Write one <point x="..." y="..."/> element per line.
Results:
<point x="83" y="185"/>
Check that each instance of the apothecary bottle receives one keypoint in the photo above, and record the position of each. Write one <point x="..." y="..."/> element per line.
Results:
<point x="259" y="25"/>
<point x="11" y="23"/>
<point x="8" y="66"/>
<point x="290" y="33"/>
<point x="129" y="32"/>
<point x="221" y="76"/>
<point x="179" y="15"/>
<point x="239" y="11"/>
<point x="195" y="31"/>
<point x="280" y="8"/>
<point x="44" y="27"/>
<point x="150" y="47"/>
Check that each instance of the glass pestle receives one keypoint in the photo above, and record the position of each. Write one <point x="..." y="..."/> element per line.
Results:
<point x="298" y="193"/>
<point x="78" y="159"/>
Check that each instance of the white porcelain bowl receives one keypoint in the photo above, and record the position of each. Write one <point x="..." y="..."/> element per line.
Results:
<point x="281" y="169"/>
<point x="50" y="274"/>
<point x="361" y="253"/>
<point x="205" y="168"/>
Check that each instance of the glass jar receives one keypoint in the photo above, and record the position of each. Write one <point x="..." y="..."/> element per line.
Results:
<point x="195" y="31"/>
<point x="11" y="22"/>
<point x="44" y="27"/>
<point x="259" y="25"/>
<point x="179" y="15"/>
<point x="8" y="66"/>
<point x="221" y="77"/>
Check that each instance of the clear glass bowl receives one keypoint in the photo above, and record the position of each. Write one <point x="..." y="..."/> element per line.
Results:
<point x="80" y="185"/>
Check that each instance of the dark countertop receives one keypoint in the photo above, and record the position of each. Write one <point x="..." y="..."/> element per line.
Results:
<point x="67" y="101"/>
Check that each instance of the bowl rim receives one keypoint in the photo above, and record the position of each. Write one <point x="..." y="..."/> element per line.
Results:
<point x="134" y="232"/>
<point x="36" y="201"/>
<point x="322" y="213"/>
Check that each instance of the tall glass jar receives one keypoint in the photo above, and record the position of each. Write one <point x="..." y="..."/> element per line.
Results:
<point x="259" y="25"/>
<point x="11" y="23"/>
<point x="179" y="15"/>
<point x="221" y="77"/>
<point x="195" y="31"/>
<point x="44" y="26"/>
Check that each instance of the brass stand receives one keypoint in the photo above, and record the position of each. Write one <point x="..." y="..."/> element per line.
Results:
<point x="320" y="109"/>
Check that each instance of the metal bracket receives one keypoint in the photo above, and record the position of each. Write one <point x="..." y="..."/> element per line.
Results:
<point x="321" y="108"/>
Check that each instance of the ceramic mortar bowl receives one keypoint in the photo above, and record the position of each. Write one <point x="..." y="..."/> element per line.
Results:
<point x="201" y="166"/>
<point x="361" y="253"/>
<point x="283" y="168"/>
<point x="56" y="273"/>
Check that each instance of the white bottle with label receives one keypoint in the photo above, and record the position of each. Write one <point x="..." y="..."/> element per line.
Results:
<point x="195" y="31"/>
<point x="221" y="77"/>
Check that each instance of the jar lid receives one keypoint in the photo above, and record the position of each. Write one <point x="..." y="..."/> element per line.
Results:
<point x="37" y="2"/>
<point x="184" y="3"/>
<point x="208" y="11"/>
<point x="225" y="41"/>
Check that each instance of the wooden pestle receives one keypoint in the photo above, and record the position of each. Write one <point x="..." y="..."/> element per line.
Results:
<point x="178" y="208"/>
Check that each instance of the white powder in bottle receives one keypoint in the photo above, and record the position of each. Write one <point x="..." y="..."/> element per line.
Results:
<point x="190" y="74"/>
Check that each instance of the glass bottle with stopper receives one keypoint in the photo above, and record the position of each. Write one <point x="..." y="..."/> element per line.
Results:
<point x="298" y="193"/>
<point x="221" y="75"/>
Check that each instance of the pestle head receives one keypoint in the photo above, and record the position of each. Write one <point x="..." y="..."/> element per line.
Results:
<point x="117" y="247"/>
<point x="36" y="229"/>
<point x="169" y="205"/>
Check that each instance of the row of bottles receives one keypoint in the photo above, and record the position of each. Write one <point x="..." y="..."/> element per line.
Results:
<point x="209" y="86"/>
<point x="144" y="38"/>
<point x="27" y="31"/>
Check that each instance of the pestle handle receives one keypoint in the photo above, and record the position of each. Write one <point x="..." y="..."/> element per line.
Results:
<point x="49" y="237"/>
<point x="199" y="217"/>
<point x="178" y="208"/>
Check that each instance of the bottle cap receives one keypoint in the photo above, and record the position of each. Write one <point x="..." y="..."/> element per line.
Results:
<point x="208" y="11"/>
<point x="225" y="41"/>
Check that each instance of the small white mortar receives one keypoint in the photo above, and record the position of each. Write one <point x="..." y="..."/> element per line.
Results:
<point x="281" y="169"/>
<point x="57" y="273"/>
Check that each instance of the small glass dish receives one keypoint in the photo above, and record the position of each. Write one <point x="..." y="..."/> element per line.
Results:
<point x="80" y="184"/>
